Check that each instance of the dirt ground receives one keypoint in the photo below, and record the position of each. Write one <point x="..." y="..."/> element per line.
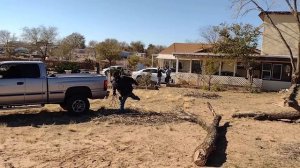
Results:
<point x="152" y="133"/>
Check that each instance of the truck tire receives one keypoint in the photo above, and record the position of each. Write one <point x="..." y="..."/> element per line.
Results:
<point x="77" y="105"/>
<point x="63" y="106"/>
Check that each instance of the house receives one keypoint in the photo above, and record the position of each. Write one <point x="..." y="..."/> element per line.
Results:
<point x="166" y="57"/>
<point x="271" y="72"/>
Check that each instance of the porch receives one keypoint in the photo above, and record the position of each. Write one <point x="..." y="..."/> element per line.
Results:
<point x="268" y="73"/>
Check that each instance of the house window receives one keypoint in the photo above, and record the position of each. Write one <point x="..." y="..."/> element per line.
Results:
<point x="266" y="71"/>
<point x="196" y="66"/>
<point x="277" y="68"/>
<point x="286" y="73"/>
<point x="184" y="66"/>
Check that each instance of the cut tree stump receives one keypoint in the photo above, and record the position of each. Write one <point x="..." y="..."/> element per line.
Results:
<point x="269" y="116"/>
<point x="290" y="97"/>
<point x="203" y="151"/>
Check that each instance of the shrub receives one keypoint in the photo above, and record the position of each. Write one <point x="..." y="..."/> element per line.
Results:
<point x="61" y="67"/>
<point x="217" y="88"/>
<point x="145" y="80"/>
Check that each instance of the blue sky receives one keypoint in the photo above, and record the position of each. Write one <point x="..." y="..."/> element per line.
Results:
<point x="150" y="21"/>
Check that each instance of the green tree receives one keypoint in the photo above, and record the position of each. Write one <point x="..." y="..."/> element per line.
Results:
<point x="211" y="66"/>
<point x="133" y="60"/>
<point x="237" y="41"/>
<point x="153" y="49"/>
<point x="7" y="39"/>
<point x="137" y="46"/>
<point x="40" y="38"/>
<point x="109" y="49"/>
<point x="75" y="40"/>
<point x="69" y="43"/>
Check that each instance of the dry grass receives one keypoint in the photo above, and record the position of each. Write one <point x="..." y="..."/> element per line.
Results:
<point x="152" y="134"/>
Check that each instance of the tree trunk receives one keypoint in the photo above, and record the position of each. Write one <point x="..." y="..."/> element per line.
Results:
<point x="290" y="98"/>
<point x="203" y="151"/>
<point x="269" y="116"/>
<point x="208" y="145"/>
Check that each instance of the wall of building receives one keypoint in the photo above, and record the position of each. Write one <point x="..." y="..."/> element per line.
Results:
<point x="275" y="85"/>
<point x="272" y="44"/>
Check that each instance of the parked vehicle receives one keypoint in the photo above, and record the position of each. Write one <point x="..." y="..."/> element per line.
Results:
<point x="138" y="74"/>
<point x="27" y="83"/>
<point x="106" y="71"/>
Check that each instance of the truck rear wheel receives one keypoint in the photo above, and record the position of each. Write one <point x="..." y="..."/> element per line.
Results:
<point x="63" y="106"/>
<point x="77" y="105"/>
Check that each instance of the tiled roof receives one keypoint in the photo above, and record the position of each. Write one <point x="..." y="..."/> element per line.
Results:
<point x="261" y="15"/>
<point x="186" y="48"/>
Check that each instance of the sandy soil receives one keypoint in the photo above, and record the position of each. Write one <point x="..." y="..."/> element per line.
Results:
<point x="152" y="134"/>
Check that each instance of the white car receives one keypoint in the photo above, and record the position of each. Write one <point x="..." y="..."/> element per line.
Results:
<point x="138" y="74"/>
<point x="105" y="71"/>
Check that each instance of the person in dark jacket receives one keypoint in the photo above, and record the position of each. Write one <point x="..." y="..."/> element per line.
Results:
<point x="168" y="74"/>
<point x="124" y="86"/>
<point x="159" y="75"/>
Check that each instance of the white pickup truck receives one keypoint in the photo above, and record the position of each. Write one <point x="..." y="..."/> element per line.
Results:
<point x="27" y="83"/>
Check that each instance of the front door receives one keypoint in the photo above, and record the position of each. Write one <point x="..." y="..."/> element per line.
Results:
<point x="35" y="84"/>
<point x="12" y="85"/>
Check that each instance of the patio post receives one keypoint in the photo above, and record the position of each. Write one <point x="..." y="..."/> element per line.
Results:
<point x="190" y="66"/>
<point x="220" y="68"/>
<point x="234" y="68"/>
<point x="177" y="65"/>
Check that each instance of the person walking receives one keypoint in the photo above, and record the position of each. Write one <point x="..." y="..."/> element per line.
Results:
<point x="159" y="75"/>
<point x="123" y="84"/>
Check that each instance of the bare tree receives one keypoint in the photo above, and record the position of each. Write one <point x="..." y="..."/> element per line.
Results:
<point x="6" y="39"/>
<point x="210" y="34"/>
<point x="40" y="38"/>
<point x="92" y="46"/>
<point x="245" y="6"/>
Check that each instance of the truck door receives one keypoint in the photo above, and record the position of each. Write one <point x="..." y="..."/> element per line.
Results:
<point x="35" y="84"/>
<point x="12" y="85"/>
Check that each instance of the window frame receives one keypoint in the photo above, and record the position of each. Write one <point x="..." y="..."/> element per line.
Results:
<point x="273" y="71"/>
<point x="270" y="71"/>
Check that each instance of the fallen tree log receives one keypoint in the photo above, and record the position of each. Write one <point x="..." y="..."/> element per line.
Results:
<point x="269" y="116"/>
<point x="203" y="151"/>
<point x="147" y="87"/>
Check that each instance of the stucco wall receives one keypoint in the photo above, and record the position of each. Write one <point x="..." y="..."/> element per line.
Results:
<point x="275" y="85"/>
<point x="272" y="44"/>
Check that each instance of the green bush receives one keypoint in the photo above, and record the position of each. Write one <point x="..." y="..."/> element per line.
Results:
<point x="217" y="88"/>
<point x="214" y="87"/>
<point x="61" y="67"/>
<point x="145" y="80"/>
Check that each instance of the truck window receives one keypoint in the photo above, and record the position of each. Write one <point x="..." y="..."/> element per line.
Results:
<point x="10" y="71"/>
<point x="30" y="70"/>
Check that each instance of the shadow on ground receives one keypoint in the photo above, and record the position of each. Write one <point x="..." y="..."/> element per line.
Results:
<point x="130" y="117"/>
<point x="219" y="156"/>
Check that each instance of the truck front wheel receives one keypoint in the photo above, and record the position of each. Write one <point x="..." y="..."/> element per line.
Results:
<point x="78" y="105"/>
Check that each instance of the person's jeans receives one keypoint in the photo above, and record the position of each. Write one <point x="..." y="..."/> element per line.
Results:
<point x="124" y="98"/>
<point x="122" y="102"/>
<point x="158" y="81"/>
